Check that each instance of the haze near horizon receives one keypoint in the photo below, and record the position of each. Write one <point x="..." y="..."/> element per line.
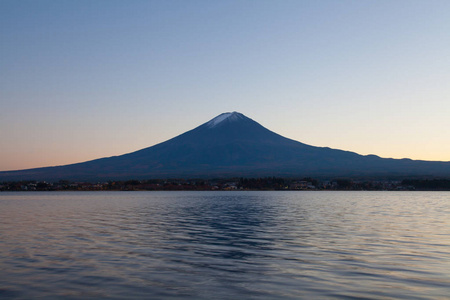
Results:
<point x="82" y="80"/>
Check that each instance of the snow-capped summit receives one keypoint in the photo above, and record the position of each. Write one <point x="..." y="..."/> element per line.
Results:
<point x="230" y="116"/>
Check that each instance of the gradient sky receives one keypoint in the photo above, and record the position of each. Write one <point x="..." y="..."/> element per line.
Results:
<point x="80" y="80"/>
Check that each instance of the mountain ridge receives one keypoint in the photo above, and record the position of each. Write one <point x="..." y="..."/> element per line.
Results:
<point x="232" y="145"/>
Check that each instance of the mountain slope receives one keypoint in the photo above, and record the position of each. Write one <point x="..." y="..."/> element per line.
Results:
<point x="233" y="145"/>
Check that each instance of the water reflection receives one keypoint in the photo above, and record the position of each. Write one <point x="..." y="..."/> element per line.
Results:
<point x="225" y="245"/>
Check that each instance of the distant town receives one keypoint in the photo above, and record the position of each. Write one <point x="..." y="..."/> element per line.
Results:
<point x="247" y="184"/>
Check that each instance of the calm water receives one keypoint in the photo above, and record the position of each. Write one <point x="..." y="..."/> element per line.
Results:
<point x="225" y="245"/>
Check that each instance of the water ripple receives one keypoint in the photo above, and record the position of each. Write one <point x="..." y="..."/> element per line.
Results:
<point x="225" y="245"/>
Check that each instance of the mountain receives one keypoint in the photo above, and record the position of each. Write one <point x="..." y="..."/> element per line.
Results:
<point x="233" y="145"/>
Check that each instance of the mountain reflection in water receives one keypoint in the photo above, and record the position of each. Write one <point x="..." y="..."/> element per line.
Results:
<point x="225" y="245"/>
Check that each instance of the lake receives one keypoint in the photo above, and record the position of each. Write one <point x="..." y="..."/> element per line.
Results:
<point x="225" y="245"/>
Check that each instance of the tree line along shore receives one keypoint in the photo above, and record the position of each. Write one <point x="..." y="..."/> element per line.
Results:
<point x="263" y="183"/>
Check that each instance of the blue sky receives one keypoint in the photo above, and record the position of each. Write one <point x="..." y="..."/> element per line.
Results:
<point x="81" y="80"/>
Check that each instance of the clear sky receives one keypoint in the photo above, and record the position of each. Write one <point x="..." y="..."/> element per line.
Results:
<point x="86" y="79"/>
